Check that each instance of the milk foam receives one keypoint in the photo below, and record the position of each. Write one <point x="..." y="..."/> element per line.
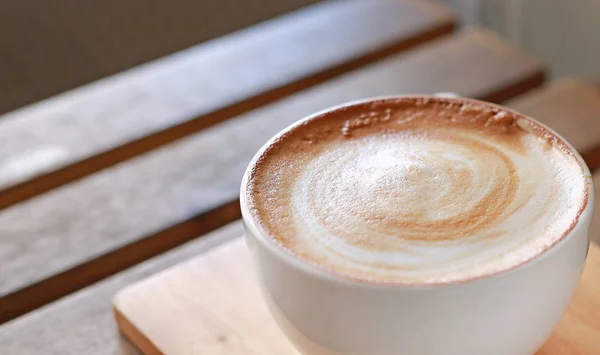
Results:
<point x="424" y="199"/>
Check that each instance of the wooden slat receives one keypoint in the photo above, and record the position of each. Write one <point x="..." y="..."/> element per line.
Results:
<point x="80" y="132"/>
<point x="58" y="242"/>
<point x="570" y="107"/>
<point x="83" y="323"/>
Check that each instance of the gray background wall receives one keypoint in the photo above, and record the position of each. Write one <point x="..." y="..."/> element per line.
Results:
<point x="565" y="34"/>
<point x="49" y="46"/>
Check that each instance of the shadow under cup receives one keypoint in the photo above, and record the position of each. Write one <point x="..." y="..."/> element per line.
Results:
<point x="510" y="312"/>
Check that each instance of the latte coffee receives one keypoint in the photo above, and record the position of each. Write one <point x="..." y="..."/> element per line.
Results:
<point x="416" y="190"/>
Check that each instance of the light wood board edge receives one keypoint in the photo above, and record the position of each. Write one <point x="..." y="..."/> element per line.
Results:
<point x="129" y="330"/>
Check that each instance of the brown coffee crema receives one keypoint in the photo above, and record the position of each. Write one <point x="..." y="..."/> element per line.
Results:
<point x="417" y="190"/>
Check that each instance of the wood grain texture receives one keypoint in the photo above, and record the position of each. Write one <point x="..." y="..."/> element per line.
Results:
<point x="215" y="322"/>
<point x="570" y="107"/>
<point x="75" y="235"/>
<point x="83" y="322"/>
<point x="74" y="134"/>
<point x="201" y="300"/>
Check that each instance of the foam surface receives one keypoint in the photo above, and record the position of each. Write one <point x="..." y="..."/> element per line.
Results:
<point x="417" y="190"/>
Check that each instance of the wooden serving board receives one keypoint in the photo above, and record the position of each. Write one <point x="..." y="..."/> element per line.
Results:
<point x="212" y="305"/>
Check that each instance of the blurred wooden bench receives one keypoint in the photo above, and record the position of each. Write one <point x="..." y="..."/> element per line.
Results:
<point x="139" y="174"/>
<point x="87" y="129"/>
<point x="125" y="214"/>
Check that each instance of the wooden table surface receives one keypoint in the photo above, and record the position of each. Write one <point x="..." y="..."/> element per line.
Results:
<point x="111" y="182"/>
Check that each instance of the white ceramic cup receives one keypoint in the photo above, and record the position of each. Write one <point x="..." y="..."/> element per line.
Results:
<point x="508" y="313"/>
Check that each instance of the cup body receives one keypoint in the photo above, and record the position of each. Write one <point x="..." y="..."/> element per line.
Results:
<point x="511" y="312"/>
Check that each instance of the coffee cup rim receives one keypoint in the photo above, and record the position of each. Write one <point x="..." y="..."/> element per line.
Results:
<point x="263" y="237"/>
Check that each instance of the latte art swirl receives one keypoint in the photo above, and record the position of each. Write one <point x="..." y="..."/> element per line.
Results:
<point x="426" y="199"/>
<point x="424" y="186"/>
